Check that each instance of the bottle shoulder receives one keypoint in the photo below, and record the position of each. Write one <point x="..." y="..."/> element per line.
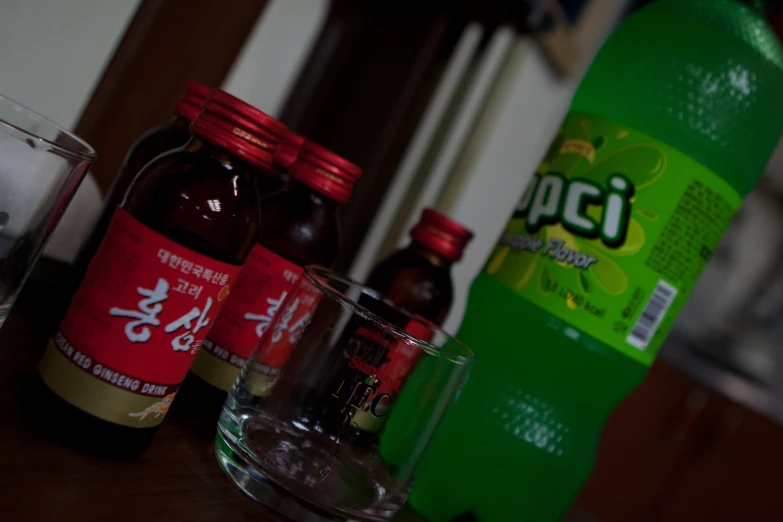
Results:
<point x="199" y="202"/>
<point x="695" y="86"/>
<point x="406" y="263"/>
<point x="732" y="18"/>
<point x="415" y="284"/>
<point x="154" y="142"/>
<point x="300" y="227"/>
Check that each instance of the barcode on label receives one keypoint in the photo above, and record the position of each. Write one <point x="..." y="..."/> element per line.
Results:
<point x="652" y="315"/>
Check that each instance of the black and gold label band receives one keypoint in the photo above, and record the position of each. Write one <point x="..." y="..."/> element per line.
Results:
<point x="88" y="386"/>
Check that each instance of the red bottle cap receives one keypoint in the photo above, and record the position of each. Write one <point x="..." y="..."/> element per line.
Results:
<point x="323" y="170"/>
<point x="192" y="100"/>
<point x="289" y="150"/>
<point x="441" y="235"/>
<point x="241" y="129"/>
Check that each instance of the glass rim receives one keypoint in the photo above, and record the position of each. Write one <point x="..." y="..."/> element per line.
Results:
<point x="88" y="154"/>
<point x="312" y="274"/>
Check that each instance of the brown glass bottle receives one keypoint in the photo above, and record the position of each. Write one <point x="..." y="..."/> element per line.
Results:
<point x="298" y="226"/>
<point x="163" y="138"/>
<point x="178" y="241"/>
<point x="418" y="277"/>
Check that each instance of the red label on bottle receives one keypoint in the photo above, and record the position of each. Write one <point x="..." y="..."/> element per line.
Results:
<point x="143" y="310"/>
<point x="278" y="346"/>
<point x="265" y="282"/>
<point x="400" y="360"/>
<point x="387" y="379"/>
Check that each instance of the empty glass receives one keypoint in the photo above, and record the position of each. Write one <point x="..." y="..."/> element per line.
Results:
<point x="332" y="411"/>
<point x="41" y="166"/>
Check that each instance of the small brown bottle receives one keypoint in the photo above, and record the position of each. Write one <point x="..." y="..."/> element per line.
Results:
<point x="169" y="260"/>
<point x="298" y="226"/>
<point x="163" y="138"/>
<point x="418" y="277"/>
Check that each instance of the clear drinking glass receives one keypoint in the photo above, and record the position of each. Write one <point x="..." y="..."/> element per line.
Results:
<point x="334" y="408"/>
<point x="41" y="166"/>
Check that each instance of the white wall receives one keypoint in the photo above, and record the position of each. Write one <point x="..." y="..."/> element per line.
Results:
<point x="52" y="52"/>
<point x="52" y="55"/>
<point x="274" y="53"/>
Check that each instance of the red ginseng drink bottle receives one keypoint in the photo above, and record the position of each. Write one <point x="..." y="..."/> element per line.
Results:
<point x="170" y="258"/>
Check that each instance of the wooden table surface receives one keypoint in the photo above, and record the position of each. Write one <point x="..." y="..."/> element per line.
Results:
<point x="177" y="479"/>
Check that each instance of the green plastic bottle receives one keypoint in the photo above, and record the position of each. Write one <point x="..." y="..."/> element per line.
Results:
<point x="671" y="127"/>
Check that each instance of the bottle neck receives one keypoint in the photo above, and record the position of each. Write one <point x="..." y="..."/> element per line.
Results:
<point x="431" y="256"/>
<point x="327" y="205"/>
<point x="201" y="146"/>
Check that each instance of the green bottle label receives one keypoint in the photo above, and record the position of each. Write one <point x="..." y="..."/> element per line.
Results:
<point x="612" y="234"/>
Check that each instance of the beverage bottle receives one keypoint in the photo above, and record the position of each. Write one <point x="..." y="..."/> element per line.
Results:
<point x="160" y="139"/>
<point x="286" y="155"/>
<point x="298" y="226"/>
<point x="170" y="258"/>
<point x="670" y="128"/>
<point x="366" y="375"/>
<point x="418" y="277"/>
